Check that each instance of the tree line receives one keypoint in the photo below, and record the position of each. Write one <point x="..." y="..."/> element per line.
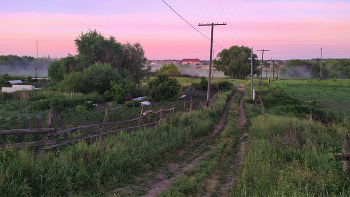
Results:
<point x="99" y="61"/>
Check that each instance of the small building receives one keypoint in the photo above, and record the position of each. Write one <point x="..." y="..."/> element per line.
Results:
<point x="191" y="61"/>
<point x="17" y="88"/>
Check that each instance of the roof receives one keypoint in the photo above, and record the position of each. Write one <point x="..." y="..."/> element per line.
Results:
<point x="15" y="81"/>
<point x="191" y="60"/>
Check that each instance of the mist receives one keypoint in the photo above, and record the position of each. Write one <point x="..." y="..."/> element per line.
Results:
<point x="296" y="72"/>
<point x="24" y="66"/>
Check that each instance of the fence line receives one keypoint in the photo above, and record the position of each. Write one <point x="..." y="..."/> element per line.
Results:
<point x="50" y="131"/>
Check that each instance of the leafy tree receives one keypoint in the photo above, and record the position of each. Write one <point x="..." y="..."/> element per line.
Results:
<point x="203" y="85"/>
<point x="117" y="91"/>
<point x="55" y="72"/>
<point x="235" y="62"/>
<point x="72" y="83"/>
<point x="134" y="60"/>
<point x="169" y="69"/>
<point x="163" y="88"/>
<point x="98" y="77"/>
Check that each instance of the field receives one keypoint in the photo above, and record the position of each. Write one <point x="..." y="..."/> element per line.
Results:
<point x="286" y="150"/>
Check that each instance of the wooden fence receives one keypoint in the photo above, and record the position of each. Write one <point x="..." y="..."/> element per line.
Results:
<point x="103" y="128"/>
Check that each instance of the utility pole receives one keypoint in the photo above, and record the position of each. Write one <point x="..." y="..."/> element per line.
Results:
<point x="263" y="50"/>
<point x="321" y="66"/>
<point x="211" y="54"/>
<point x="251" y="74"/>
<point x="273" y="68"/>
<point x="37" y="52"/>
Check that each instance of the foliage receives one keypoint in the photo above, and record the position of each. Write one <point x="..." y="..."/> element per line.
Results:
<point x="291" y="156"/>
<point x="86" y="169"/>
<point x="131" y="104"/>
<point x="169" y="69"/>
<point x="163" y="88"/>
<point x="224" y="85"/>
<point x="203" y="85"/>
<point x="235" y="62"/>
<point x="99" y="76"/>
<point x="311" y="69"/>
<point x="72" y="83"/>
<point x="117" y="91"/>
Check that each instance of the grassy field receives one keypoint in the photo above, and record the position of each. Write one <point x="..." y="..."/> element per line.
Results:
<point x="290" y="154"/>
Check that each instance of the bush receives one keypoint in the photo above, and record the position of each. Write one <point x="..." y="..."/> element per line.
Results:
<point x="163" y="88"/>
<point x="203" y="85"/>
<point x="224" y="85"/>
<point x="131" y="104"/>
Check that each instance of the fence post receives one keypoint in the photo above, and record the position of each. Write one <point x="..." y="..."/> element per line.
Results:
<point x="174" y="108"/>
<point x="160" y="113"/>
<point x="50" y="122"/>
<point x="184" y="109"/>
<point x="105" y="120"/>
<point x="191" y="104"/>
<point x="140" y="117"/>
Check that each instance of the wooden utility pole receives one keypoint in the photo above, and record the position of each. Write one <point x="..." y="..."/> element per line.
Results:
<point x="211" y="56"/>
<point x="251" y="74"/>
<point x="321" y="66"/>
<point x="273" y="68"/>
<point x="262" y="56"/>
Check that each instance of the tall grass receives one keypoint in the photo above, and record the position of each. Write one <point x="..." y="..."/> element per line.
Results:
<point x="84" y="169"/>
<point x="292" y="157"/>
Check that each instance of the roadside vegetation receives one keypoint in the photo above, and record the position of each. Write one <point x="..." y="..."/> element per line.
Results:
<point x="289" y="148"/>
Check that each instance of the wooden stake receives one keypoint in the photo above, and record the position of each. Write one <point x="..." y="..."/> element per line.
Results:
<point x="105" y="120"/>
<point x="140" y="116"/>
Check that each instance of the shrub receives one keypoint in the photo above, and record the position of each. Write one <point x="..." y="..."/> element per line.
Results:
<point x="163" y="88"/>
<point x="203" y="85"/>
<point x="131" y="104"/>
<point x="224" y="85"/>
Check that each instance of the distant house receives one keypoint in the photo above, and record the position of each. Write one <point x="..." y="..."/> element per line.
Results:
<point x="191" y="61"/>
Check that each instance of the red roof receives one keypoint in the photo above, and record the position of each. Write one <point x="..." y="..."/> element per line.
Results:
<point x="190" y="60"/>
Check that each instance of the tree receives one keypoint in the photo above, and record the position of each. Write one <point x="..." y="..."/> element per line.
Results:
<point x="163" y="88"/>
<point x="99" y="76"/>
<point x="235" y="62"/>
<point x="134" y="60"/>
<point x="169" y="69"/>
<point x="55" y="72"/>
<point x="72" y="83"/>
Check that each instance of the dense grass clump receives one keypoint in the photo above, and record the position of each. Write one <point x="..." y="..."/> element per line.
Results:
<point x="291" y="157"/>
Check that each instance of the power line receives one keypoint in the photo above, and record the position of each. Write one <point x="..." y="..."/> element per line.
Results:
<point x="189" y="23"/>
<point x="230" y="22"/>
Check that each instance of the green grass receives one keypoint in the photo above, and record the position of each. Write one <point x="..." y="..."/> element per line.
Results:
<point x="86" y="170"/>
<point x="292" y="157"/>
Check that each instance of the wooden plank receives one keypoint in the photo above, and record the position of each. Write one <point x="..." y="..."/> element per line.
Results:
<point x="93" y="125"/>
<point x="97" y="135"/>
<point x="20" y="131"/>
<point x="155" y="112"/>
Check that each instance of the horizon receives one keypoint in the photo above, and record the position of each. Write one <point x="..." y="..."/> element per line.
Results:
<point x="289" y="29"/>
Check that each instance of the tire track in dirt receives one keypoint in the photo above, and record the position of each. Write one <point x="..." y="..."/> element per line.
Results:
<point x="237" y="162"/>
<point x="155" y="187"/>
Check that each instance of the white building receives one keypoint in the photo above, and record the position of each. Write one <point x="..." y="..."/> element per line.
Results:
<point x="17" y="88"/>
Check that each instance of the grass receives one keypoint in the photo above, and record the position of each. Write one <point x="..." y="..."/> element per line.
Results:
<point x="86" y="170"/>
<point x="198" y="180"/>
<point x="288" y="156"/>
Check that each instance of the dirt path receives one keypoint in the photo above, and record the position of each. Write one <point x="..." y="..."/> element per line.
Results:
<point x="239" y="157"/>
<point x="161" y="179"/>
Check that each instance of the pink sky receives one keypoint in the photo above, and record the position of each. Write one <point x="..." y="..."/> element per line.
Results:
<point x="290" y="29"/>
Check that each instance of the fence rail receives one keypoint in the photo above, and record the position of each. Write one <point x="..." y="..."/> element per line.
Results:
<point x="102" y="128"/>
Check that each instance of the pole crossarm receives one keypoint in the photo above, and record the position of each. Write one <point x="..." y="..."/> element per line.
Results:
<point x="263" y="50"/>
<point x="211" y="54"/>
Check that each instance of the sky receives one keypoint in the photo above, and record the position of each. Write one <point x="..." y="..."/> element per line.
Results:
<point x="289" y="29"/>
